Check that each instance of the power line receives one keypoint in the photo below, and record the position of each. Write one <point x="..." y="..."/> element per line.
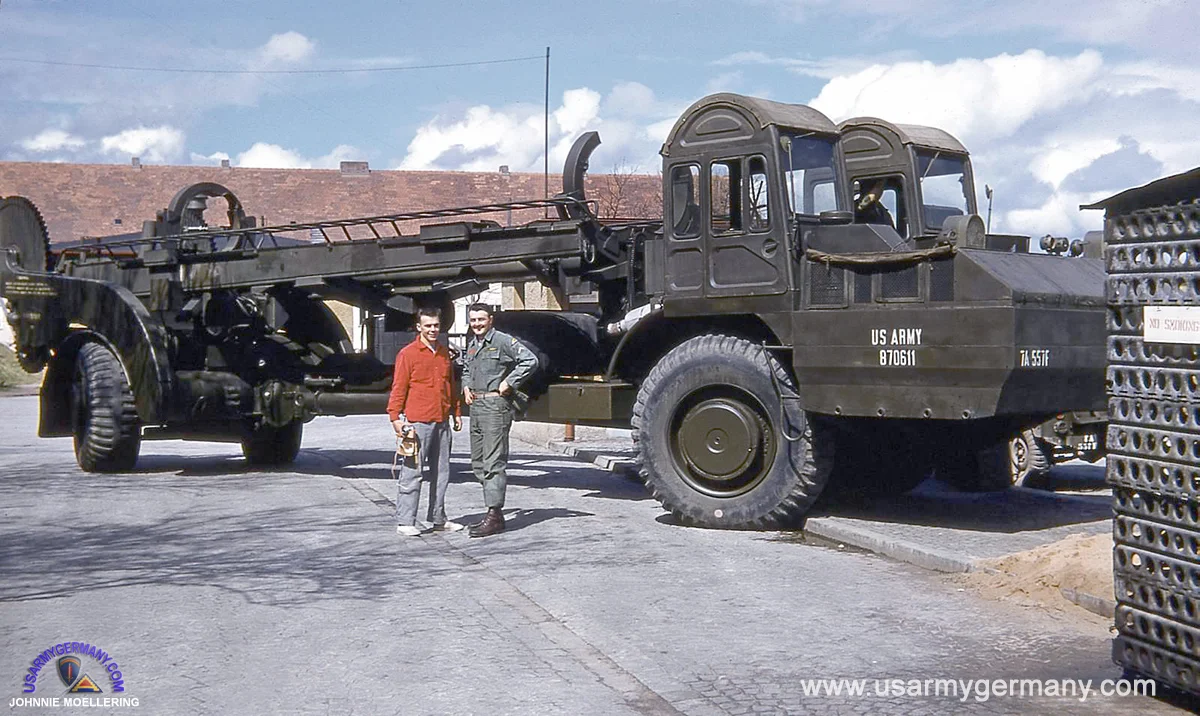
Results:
<point x="343" y="70"/>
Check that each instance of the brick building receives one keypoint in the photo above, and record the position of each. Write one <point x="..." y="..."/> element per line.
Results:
<point x="79" y="200"/>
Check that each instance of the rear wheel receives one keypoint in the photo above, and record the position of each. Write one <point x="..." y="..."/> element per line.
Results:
<point x="1028" y="458"/>
<point x="269" y="446"/>
<point x="709" y="426"/>
<point x="104" y="419"/>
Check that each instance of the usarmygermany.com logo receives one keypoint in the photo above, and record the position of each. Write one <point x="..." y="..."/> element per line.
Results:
<point x="86" y="671"/>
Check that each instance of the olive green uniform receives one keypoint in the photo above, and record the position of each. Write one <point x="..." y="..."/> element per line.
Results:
<point x="494" y="358"/>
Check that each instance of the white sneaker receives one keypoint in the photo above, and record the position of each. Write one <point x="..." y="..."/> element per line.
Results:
<point x="408" y="530"/>
<point x="448" y="526"/>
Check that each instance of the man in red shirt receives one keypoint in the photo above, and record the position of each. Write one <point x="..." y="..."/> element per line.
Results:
<point x="424" y="399"/>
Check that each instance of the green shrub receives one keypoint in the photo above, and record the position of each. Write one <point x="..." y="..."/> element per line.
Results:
<point x="11" y="374"/>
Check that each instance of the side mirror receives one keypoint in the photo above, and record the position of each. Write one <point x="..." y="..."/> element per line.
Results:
<point x="836" y="218"/>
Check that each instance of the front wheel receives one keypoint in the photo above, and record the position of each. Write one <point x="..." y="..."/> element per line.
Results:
<point x="269" y="446"/>
<point x="104" y="419"/>
<point x="711" y="431"/>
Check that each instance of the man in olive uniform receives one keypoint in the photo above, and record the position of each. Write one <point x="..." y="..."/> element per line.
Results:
<point x="496" y="364"/>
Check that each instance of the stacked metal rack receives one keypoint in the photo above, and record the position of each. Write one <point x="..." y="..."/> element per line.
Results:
<point x="1153" y="256"/>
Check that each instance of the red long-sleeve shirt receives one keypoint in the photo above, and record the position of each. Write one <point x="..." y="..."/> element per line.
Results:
<point x="423" y="385"/>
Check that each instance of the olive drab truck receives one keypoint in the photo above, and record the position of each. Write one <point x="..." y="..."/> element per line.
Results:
<point x="764" y="345"/>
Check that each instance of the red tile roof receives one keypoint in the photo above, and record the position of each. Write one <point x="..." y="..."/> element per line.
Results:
<point x="85" y="199"/>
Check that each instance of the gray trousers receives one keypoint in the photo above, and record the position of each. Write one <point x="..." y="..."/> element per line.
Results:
<point x="434" y="467"/>
<point x="491" y="418"/>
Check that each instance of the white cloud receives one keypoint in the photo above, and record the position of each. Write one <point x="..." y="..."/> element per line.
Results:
<point x="153" y="144"/>
<point x="214" y="158"/>
<point x="286" y="48"/>
<point x="631" y="119"/>
<point x="973" y="99"/>
<point x="264" y="155"/>
<point x="53" y="140"/>
<point x="1057" y="162"/>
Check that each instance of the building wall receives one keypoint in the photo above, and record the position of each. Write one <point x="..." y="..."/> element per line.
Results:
<point x="79" y="200"/>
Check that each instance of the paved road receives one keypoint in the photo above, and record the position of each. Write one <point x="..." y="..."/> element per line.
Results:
<point x="219" y="590"/>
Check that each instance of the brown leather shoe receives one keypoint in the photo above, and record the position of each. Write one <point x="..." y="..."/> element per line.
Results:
<point x="493" y="523"/>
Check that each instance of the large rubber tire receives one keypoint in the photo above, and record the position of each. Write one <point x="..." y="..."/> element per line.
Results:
<point x="873" y="463"/>
<point x="269" y="446"/>
<point x="707" y="427"/>
<point x="1029" y="458"/>
<point x="986" y="469"/>
<point x="104" y="418"/>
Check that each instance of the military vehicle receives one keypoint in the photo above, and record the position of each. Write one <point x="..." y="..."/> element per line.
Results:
<point x="758" y="340"/>
<point x="913" y="178"/>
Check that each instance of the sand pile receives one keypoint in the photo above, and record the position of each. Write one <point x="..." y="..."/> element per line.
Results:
<point x="1079" y="562"/>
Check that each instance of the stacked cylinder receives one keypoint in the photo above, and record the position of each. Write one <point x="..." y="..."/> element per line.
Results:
<point x="1153" y="258"/>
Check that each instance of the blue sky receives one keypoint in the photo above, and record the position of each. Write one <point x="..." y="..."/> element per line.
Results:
<point x="1060" y="101"/>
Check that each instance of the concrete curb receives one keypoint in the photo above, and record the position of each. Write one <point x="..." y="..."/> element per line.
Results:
<point x="831" y="529"/>
<point x="1096" y="605"/>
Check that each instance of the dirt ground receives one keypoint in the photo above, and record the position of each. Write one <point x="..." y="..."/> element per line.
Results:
<point x="1036" y="577"/>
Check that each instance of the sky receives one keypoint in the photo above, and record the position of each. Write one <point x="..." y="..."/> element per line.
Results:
<point x="1061" y="102"/>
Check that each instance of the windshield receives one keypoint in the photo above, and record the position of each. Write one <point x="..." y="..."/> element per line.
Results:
<point x="812" y="175"/>
<point x="943" y="186"/>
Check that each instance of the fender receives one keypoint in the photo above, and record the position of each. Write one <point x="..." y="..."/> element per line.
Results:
<point x="79" y="307"/>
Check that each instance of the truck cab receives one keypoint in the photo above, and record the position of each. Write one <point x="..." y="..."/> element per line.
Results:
<point x="739" y="173"/>
<point x="910" y="177"/>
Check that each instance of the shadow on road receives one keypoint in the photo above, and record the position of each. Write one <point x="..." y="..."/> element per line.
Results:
<point x="1016" y="510"/>
<point x="524" y="469"/>
<point x="267" y="555"/>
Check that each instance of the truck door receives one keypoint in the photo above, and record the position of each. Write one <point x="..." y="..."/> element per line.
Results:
<point x="744" y="253"/>
<point x="685" y="223"/>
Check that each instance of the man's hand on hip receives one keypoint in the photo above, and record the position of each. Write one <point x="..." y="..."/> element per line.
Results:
<point x="504" y="388"/>
<point x="468" y="396"/>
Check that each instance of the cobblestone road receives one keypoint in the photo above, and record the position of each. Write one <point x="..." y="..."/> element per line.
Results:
<point x="225" y="591"/>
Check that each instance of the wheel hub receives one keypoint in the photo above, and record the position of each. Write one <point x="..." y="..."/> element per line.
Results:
<point x="719" y="439"/>
<point x="1019" y="453"/>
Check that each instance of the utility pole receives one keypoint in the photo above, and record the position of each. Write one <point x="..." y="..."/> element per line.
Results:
<point x="546" y="128"/>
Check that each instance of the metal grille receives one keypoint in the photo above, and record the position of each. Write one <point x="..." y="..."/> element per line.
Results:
<point x="862" y="286"/>
<point x="941" y="281"/>
<point x="827" y="285"/>
<point x="1153" y="258"/>
<point x="899" y="283"/>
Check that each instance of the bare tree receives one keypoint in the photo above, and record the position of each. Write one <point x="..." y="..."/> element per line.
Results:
<point x="614" y="189"/>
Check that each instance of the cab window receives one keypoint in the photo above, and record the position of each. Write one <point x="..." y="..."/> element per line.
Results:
<point x="810" y="173"/>
<point x="685" y="200"/>
<point x="760" y="213"/>
<point x="880" y="200"/>
<point x="943" y="187"/>
<point x="725" y="196"/>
